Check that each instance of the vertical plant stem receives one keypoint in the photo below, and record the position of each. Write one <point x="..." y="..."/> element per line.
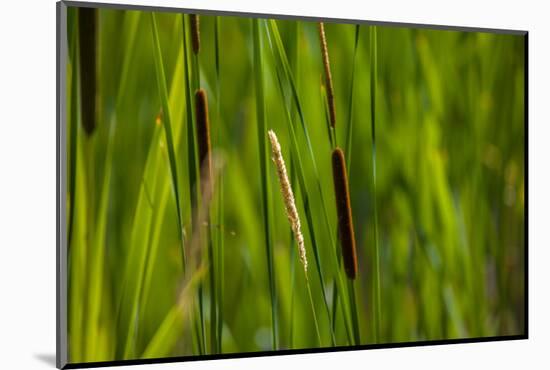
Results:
<point x="296" y="68"/>
<point x="193" y="163"/>
<point x="313" y="312"/>
<point x="347" y="147"/>
<point x="221" y="231"/>
<point x="373" y="74"/>
<point x="266" y="187"/>
<point x="161" y="81"/>
<point x="354" y="315"/>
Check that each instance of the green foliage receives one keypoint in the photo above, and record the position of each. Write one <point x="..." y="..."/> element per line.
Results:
<point x="432" y="125"/>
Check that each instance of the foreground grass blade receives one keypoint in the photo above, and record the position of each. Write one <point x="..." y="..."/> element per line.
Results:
<point x="97" y="263"/>
<point x="169" y="330"/>
<point x="161" y="81"/>
<point x="264" y="158"/>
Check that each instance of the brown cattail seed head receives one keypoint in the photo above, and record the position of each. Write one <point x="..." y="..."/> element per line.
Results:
<point x="203" y="134"/>
<point x="328" y="76"/>
<point x="288" y="197"/>
<point x="343" y="207"/>
<point x="195" y="33"/>
<point x="87" y="37"/>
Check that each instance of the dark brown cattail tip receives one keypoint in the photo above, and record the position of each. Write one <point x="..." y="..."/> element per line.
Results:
<point x="343" y="207"/>
<point x="328" y="76"/>
<point x="87" y="37"/>
<point x="195" y="33"/>
<point x="203" y="133"/>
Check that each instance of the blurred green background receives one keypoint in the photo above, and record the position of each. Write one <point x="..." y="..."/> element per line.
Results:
<point x="450" y="133"/>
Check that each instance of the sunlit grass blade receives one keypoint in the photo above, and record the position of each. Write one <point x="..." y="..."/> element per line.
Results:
<point x="78" y="266"/>
<point x="130" y="27"/>
<point x="97" y="263"/>
<point x="170" y="328"/>
<point x="161" y="81"/>
<point x="264" y="173"/>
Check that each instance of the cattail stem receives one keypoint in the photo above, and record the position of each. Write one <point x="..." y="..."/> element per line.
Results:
<point x="87" y="36"/>
<point x="203" y="137"/>
<point x="343" y="206"/>
<point x="328" y="76"/>
<point x="195" y="33"/>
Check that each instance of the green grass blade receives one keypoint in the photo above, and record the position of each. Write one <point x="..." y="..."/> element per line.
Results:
<point x="171" y="326"/>
<point x="191" y="132"/>
<point x="161" y="81"/>
<point x="292" y="169"/>
<point x="319" y="341"/>
<point x="373" y="74"/>
<point x="193" y="160"/>
<point x="73" y="120"/>
<point x="97" y="263"/>
<point x="221" y="230"/>
<point x="354" y="316"/>
<point x="349" y="131"/>
<point x="264" y="157"/>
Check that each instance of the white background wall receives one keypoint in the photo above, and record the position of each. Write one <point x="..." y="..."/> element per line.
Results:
<point x="27" y="181"/>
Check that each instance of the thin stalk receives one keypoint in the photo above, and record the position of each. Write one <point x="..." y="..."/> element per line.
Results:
<point x="292" y="259"/>
<point x="347" y="147"/>
<point x="194" y="175"/>
<point x="213" y="292"/>
<point x="73" y="120"/>
<point x="220" y="249"/>
<point x="313" y="311"/>
<point x="161" y="82"/>
<point x="373" y="75"/>
<point x="97" y="257"/>
<point x="354" y="316"/>
<point x="264" y="157"/>
<point x="292" y="168"/>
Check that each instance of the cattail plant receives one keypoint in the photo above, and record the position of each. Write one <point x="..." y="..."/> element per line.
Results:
<point x="203" y="135"/>
<point x="288" y="197"/>
<point x="328" y="76"/>
<point x="195" y="33"/>
<point x="87" y="36"/>
<point x="343" y="206"/>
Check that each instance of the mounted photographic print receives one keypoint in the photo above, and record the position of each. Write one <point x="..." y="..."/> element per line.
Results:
<point x="239" y="184"/>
